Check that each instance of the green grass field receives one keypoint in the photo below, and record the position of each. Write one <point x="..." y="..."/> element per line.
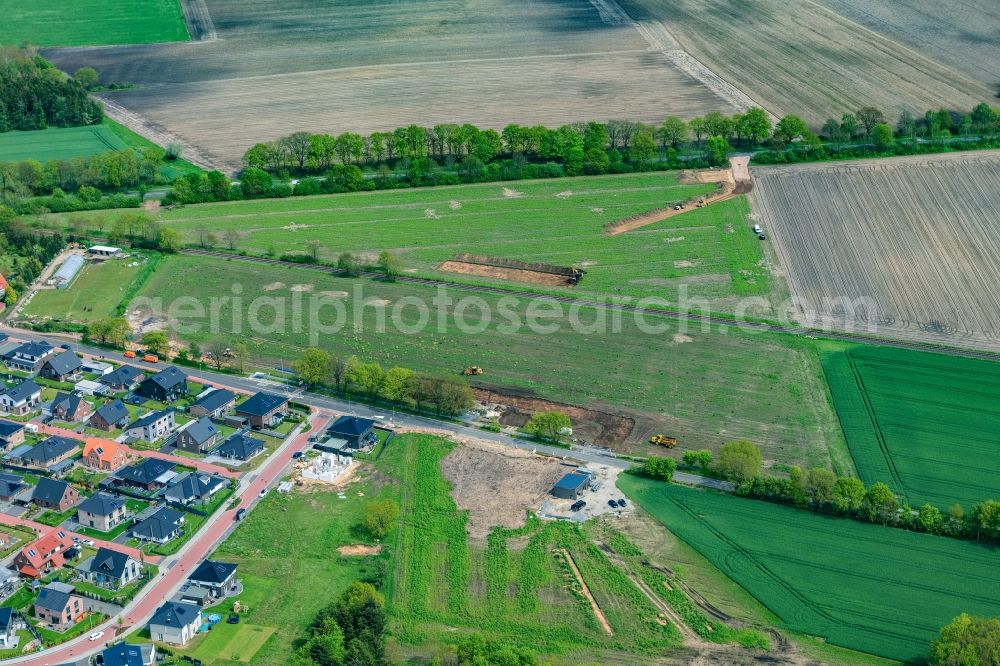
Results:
<point x="875" y="589"/>
<point x="705" y="387"/>
<point x="553" y="221"/>
<point x="93" y="294"/>
<point x="91" y="22"/>
<point x="58" y="143"/>
<point x="923" y="423"/>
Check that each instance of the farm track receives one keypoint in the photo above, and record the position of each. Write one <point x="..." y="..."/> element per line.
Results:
<point x="199" y="21"/>
<point x="722" y="321"/>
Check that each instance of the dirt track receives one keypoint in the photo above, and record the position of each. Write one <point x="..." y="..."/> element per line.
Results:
<point x="499" y="273"/>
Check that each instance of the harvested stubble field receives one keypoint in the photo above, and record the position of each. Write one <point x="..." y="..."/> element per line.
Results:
<point x="484" y="62"/>
<point x="90" y="22"/>
<point x="960" y="35"/>
<point x="802" y="58"/>
<point x="923" y="423"/>
<point x="704" y="387"/>
<point x="876" y="589"/>
<point x="711" y="250"/>
<point x="915" y="236"/>
<point x="58" y="143"/>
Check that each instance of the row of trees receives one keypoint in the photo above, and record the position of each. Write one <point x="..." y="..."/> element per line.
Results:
<point x="24" y="253"/>
<point x="36" y="95"/>
<point x="445" y="394"/>
<point x="86" y="176"/>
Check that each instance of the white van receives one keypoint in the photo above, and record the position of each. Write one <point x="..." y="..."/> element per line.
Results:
<point x="757" y="229"/>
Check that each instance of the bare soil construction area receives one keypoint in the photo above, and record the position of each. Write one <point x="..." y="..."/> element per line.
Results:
<point x="484" y="62"/>
<point x="498" y="484"/>
<point x="907" y="245"/>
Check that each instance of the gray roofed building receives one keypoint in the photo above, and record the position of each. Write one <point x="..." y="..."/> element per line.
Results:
<point x="29" y="356"/>
<point x="356" y="431"/>
<point x="53" y="450"/>
<point x="194" y="488"/>
<point x="22" y="398"/>
<point x="53" y="494"/>
<point x="9" y="625"/>
<point x="166" y="385"/>
<point x="127" y="654"/>
<point x="152" y="426"/>
<point x="213" y="403"/>
<point x="239" y="446"/>
<point x="10" y="486"/>
<point x="110" y="568"/>
<point x="102" y="512"/>
<point x="62" y="366"/>
<point x="11" y="433"/>
<point x="124" y="378"/>
<point x="263" y="409"/>
<point x="147" y="474"/>
<point x="69" y="407"/>
<point x="111" y="415"/>
<point x="160" y="527"/>
<point x="58" y="606"/>
<point x="219" y="577"/>
<point x="198" y="436"/>
<point x="175" y="623"/>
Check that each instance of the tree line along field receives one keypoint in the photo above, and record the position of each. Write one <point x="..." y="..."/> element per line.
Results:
<point x="870" y="588"/>
<point x="58" y="143"/>
<point x="804" y="59"/>
<point x="483" y="62"/>
<point x="710" y="250"/>
<point x="909" y="240"/>
<point x="91" y="22"/>
<point x="708" y="390"/>
<point x="923" y="423"/>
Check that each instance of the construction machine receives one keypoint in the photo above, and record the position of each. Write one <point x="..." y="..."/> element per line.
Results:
<point x="663" y="440"/>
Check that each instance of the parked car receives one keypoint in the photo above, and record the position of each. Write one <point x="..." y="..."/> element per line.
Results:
<point x="240" y="515"/>
<point x="233" y="619"/>
<point x="757" y="229"/>
<point x="97" y="635"/>
<point x="87" y="542"/>
<point x="762" y="236"/>
<point x="297" y="455"/>
<point x="613" y="504"/>
<point x="621" y="503"/>
<point x="263" y="492"/>
<point x="577" y="505"/>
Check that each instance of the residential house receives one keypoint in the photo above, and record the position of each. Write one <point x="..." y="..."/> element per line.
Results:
<point x="69" y="407"/>
<point x="239" y="446"/>
<point x="161" y="527"/>
<point x="22" y="398"/>
<point x="10" y="486"/>
<point x="147" y="475"/>
<point x="213" y="403"/>
<point x="64" y="366"/>
<point x="102" y="512"/>
<point x="175" y="623"/>
<point x="263" y="410"/>
<point x="104" y="455"/>
<point x="219" y="577"/>
<point x="152" y="426"/>
<point x="109" y="416"/>
<point x="58" y="607"/>
<point x="110" y="568"/>
<point x="50" y="452"/>
<point x="356" y="431"/>
<point x="11" y="434"/>
<point x="198" y="436"/>
<point x="30" y="356"/>
<point x="194" y="488"/>
<point x="43" y="555"/>
<point x="55" y="495"/>
<point x="9" y="624"/>
<point x="125" y="378"/>
<point x="167" y="385"/>
<point x="129" y="654"/>
<point x="99" y="368"/>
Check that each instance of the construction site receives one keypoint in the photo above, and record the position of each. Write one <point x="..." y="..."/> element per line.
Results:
<point x="512" y="269"/>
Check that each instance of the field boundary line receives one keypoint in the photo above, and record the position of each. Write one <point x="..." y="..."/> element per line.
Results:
<point x="199" y="22"/>
<point x="585" y="591"/>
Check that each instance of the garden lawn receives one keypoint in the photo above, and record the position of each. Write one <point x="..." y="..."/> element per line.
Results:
<point x="91" y="22"/>
<point x="866" y="587"/>
<point x="706" y="387"/>
<point x="94" y="294"/>
<point x="923" y="423"/>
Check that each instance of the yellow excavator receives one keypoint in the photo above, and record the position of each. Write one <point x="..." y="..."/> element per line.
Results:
<point x="663" y="440"/>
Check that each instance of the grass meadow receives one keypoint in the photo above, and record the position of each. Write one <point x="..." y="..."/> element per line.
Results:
<point x="923" y="423"/>
<point x="705" y="387"/>
<point x="870" y="588"/>
<point x="91" y="22"/>
<point x="711" y="250"/>
<point x="58" y="143"/>
<point x="94" y="294"/>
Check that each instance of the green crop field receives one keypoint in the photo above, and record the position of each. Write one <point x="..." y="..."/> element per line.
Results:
<point x="870" y="588"/>
<point x="551" y="221"/>
<point x="91" y="22"/>
<point x="923" y="423"/>
<point x="58" y="143"/>
<point x="706" y="387"/>
<point x="95" y="292"/>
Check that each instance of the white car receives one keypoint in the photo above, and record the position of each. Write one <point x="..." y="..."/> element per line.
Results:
<point x="757" y="229"/>
<point x="97" y="635"/>
<point x="87" y="542"/>
<point x="263" y="491"/>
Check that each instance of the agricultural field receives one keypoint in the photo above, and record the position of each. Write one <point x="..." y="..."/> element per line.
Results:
<point x="959" y="36"/>
<point x="704" y="386"/>
<point x="486" y="62"/>
<point x="58" y="143"/>
<point x="95" y="293"/>
<point x="710" y="250"/>
<point x="907" y="243"/>
<point x="874" y="589"/>
<point x="804" y="59"/>
<point x="91" y="22"/>
<point x="923" y="423"/>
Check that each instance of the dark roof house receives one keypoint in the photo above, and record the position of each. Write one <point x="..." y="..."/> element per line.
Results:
<point x="62" y="366"/>
<point x="356" y="431"/>
<point x="69" y="407"/>
<point x="262" y="409"/>
<point x="194" y="487"/>
<point x="21" y="398"/>
<point x="160" y="527"/>
<point x="124" y="378"/>
<point x="109" y="416"/>
<point x="53" y="450"/>
<point x="166" y="385"/>
<point x="128" y="654"/>
<point x="148" y="474"/>
<point x="198" y="436"/>
<point x="219" y="577"/>
<point x="213" y="403"/>
<point x="239" y="446"/>
<point x="53" y="494"/>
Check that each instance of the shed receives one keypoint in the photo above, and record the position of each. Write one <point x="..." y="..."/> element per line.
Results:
<point x="571" y="485"/>
<point x="67" y="271"/>
<point x="104" y="250"/>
